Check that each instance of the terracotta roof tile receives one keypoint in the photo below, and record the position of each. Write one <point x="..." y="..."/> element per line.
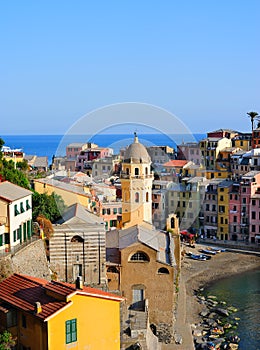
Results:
<point x="23" y="292"/>
<point x="176" y="163"/>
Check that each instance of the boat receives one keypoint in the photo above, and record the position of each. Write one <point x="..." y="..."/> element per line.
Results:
<point x="201" y="257"/>
<point x="208" y="251"/>
<point x="217" y="249"/>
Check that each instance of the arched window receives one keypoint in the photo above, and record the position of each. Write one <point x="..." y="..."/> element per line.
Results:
<point x="127" y="171"/>
<point x="136" y="197"/>
<point x="146" y="171"/>
<point x="172" y="223"/>
<point x="163" y="271"/>
<point x="147" y="196"/>
<point x="136" y="171"/>
<point x="140" y="256"/>
<point x="77" y="239"/>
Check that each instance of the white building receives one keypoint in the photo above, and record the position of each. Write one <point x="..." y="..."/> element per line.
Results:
<point x="15" y="215"/>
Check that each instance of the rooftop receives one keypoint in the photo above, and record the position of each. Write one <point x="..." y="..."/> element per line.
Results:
<point x="10" y="192"/>
<point x="176" y="163"/>
<point x="23" y="292"/>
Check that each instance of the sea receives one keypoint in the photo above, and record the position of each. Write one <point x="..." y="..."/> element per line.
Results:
<point x="241" y="291"/>
<point x="55" y="145"/>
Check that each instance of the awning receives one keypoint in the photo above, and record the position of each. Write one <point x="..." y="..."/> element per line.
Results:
<point x="257" y="237"/>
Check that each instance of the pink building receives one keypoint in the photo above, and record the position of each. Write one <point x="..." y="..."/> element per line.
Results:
<point x="234" y="213"/>
<point x="249" y="188"/>
<point x="74" y="149"/>
<point x="189" y="151"/>
<point x="90" y="154"/>
<point x="254" y="228"/>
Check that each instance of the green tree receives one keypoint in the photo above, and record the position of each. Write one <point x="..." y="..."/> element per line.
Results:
<point x="51" y="207"/>
<point x="6" y="341"/>
<point x="252" y="115"/>
<point x="16" y="176"/>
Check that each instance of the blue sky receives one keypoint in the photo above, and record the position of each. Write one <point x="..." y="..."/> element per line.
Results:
<point x="60" y="60"/>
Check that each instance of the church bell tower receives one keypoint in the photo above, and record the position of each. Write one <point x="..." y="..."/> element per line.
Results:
<point x="136" y="181"/>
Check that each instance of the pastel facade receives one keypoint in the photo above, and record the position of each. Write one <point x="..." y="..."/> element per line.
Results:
<point x="224" y="188"/>
<point x="53" y="315"/>
<point x="189" y="151"/>
<point x="15" y="215"/>
<point x="235" y="213"/>
<point x="210" y="148"/>
<point x="71" y="194"/>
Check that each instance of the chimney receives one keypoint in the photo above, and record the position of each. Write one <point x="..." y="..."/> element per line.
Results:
<point x="79" y="282"/>
<point x="37" y="307"/>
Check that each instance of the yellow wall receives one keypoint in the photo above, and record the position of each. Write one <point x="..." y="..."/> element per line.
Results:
<point x="68" y="197"/>
<point x="223" y="218"/>
<point x="98" y="325"/>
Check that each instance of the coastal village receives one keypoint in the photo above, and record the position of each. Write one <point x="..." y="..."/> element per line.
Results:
<point x="106" y="273"/>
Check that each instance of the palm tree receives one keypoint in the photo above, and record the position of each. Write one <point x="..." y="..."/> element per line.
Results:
<point x="252" y="116"/>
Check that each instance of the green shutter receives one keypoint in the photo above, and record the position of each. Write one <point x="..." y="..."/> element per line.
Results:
<point x="71" y="331"/>
<point x="1" y="240"/>
<point x="14" y="235"/>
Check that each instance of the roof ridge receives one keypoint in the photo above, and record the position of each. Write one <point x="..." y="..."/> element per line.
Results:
<point x="37" y="280"/>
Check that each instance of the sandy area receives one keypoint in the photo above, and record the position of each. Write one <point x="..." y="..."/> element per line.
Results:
<point x="196" y="274"/>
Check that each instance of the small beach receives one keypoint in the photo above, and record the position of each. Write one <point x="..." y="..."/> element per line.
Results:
<point x="198" y="274"/>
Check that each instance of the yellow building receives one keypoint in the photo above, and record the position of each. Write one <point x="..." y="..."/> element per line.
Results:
<point x="53" y="315"/>
<point x="71" y="194"/>
<point x="223" y="209"/>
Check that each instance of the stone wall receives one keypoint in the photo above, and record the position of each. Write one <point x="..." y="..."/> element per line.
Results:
<point x="30" y="260"/>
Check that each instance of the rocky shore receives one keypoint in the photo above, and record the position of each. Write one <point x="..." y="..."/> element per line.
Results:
<point x="196" y="275"/>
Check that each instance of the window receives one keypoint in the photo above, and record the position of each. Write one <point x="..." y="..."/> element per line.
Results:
<point x="163" y="271"/>
<point x="253" y="215"/>
<point x="221" y="198"/>
<point x="139" y="256"/>
<point x="136" y="171"/>
<point x="71" y="331"/>
<point x="253" y="228"/>
<point x="147" y="196"/>
<point x="253" y="201"/>
<point x="16" y="211"/>
<point x="114" y="210"/>
<point x="1" y="240"/>
<point x="14" y="235"/>
<point x="108" y="211"/>
<point x="22" y="208"/>
<point x="27" y="204"/>
<point x="136" y="197"/>
<point x="235" y="218"/>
